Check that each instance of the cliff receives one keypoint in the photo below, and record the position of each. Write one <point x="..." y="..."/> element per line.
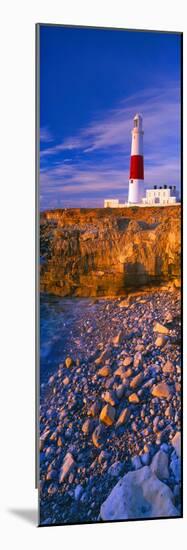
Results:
<point x="95" y="252"/>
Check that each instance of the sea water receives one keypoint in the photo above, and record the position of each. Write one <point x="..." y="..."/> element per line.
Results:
<point x="59" y="318"/>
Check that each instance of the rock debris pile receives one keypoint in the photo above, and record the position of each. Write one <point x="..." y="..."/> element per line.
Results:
<point x="110" y="445"/>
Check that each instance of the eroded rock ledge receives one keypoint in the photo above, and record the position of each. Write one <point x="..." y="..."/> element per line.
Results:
<point x="95" y="252"/>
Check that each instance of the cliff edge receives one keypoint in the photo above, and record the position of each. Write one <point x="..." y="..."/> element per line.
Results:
<point x="95" y="252"/>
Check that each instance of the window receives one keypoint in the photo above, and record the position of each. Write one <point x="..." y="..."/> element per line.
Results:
<point x="135" y="123"/>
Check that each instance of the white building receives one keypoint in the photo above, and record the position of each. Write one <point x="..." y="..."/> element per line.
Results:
<point x="160" y="196"/>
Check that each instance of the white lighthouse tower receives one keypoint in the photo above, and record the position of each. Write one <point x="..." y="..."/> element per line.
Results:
<point x="136" y="181"/>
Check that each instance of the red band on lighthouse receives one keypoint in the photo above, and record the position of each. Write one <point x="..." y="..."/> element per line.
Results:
<point x="137" y="167"/>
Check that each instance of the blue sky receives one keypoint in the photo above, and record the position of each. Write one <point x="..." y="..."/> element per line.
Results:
<point x="92" y="83"/>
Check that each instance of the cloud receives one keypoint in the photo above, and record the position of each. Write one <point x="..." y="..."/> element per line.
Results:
<point x="101" y="151"/>
<point x="161" y="112"/>
<point x="45" y="135"/>
<point x="67" y="145"/>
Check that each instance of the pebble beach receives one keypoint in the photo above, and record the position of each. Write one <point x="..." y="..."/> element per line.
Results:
<point x="110" y="408"/>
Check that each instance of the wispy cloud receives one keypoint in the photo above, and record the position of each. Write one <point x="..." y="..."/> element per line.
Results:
<point x="161" y="112"/>
<point x="68" y="145"/>
<point x="104" y="144"/>
<point x="45" y="135"/>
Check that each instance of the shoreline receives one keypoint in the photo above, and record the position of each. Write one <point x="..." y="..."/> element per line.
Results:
<point x="113" y="354"/>
<point x="168" y="285"/>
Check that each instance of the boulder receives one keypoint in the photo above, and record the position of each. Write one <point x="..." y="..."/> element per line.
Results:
<point x="145" y="458"/>
<point x="133" y="398"/>
<point x="168" y="368"/>
<point x="161" y="390"/>
<point x="109" y="397"/>
<point x="123" y="417"/>
<point x="175" y="466"/>
<point x="123" y="372"/>
<point x="169" y="411"/>
<point x="137" y="359"/>
<point x="138" y="495"/>
<point x="163" y="435"/>
<point x="68" y="362"/>
<point x="160" y="328"/>
<point x="160" y="341"/>
<point x="136" y="462"/>
<point x="88" y="426"/>
<point x="137" y="380"/>
<point x="67" y="466"/>
<point x="104" y="371"/>
<point x="176" y="442"/>
<point x="159" y="465"/>
<point x="120" y="390"/>
<point x="44" y="436"/>
<point x="95" y="408"/>
<point x="107" y="415"/>
<point x="117" y="339"/>
<point x="97" y="436"/>
<point x="109" y="382"/>
<point x="127" y="361"/>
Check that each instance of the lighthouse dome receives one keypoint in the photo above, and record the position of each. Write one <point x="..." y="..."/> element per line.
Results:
<point x="138" y="121"/>
<point x="138" y="116"/>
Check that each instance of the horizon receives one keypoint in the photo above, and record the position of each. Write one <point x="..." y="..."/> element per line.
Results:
<point x="91" y="86"/>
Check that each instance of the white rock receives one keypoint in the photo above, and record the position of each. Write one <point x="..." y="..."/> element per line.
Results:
<point x="175" y="466"/>
<point x="159" y="465"/>
<point x="136" y="462"/>
<point x="139" y="495"/>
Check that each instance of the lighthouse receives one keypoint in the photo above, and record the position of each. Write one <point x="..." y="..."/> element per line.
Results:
<point x="136" y="180"/>
<point x="157" y="196"/>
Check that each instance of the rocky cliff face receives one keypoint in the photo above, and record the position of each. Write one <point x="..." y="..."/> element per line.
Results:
<point x="94" y="252"/>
